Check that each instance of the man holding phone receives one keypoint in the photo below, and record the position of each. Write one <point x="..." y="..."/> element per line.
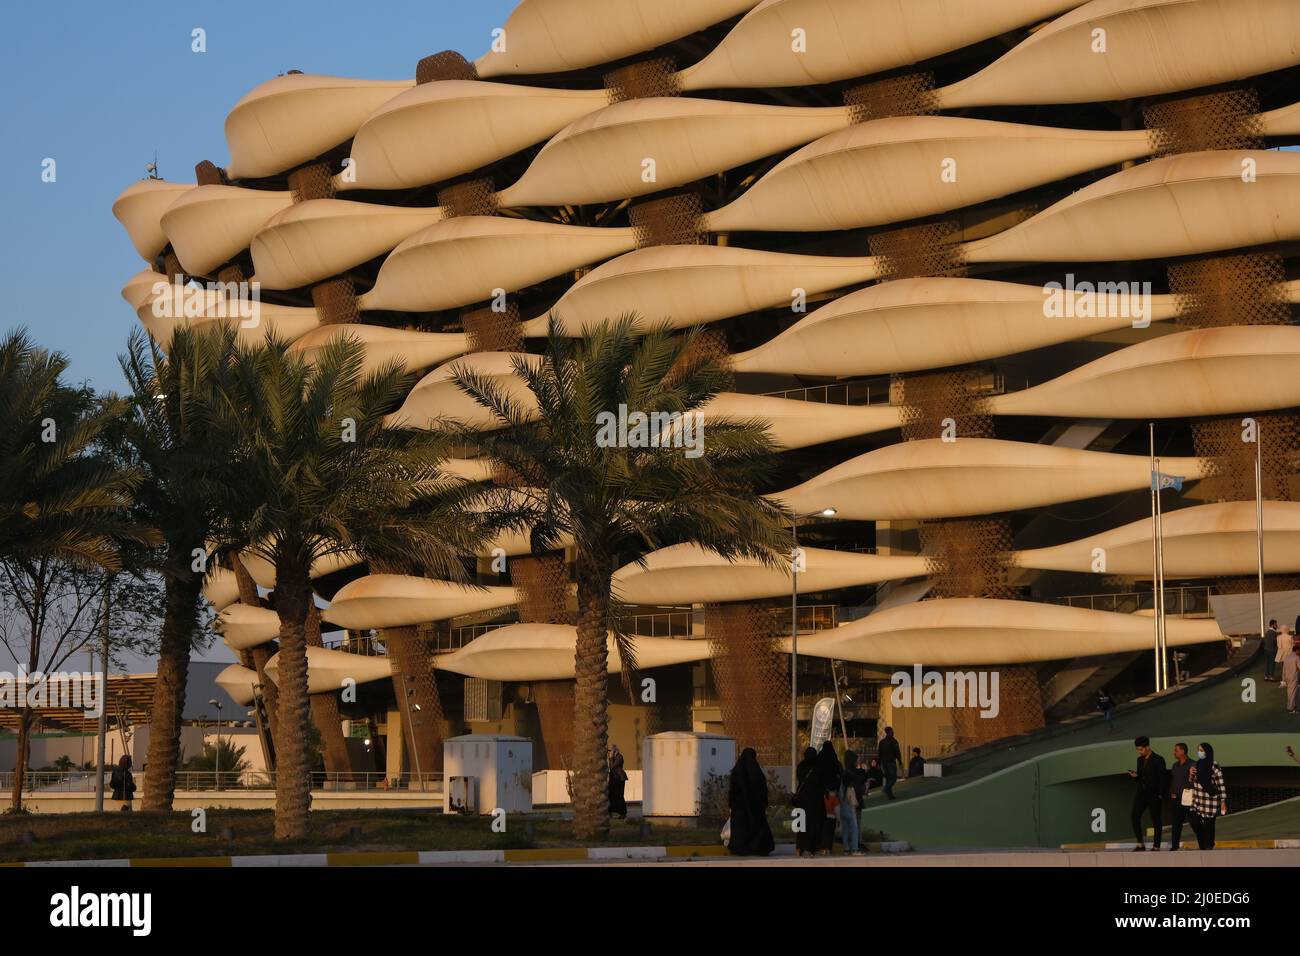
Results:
<point x="1150" y="776"/>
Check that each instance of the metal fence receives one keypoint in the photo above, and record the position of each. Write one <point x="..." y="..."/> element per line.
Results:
<point x="1179" y="602"/>
<point x="367" y="645"/>
<point x="839" y="393"/>
<point x="83" y="781"/>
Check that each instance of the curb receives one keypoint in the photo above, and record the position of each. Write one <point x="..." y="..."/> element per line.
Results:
<point x="1219" y="845"/>
<point x="443" y="857"/>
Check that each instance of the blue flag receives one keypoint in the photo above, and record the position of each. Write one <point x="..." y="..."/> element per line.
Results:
<point x="1160" y="481"/>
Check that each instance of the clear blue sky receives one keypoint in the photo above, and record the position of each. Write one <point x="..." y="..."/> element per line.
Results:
<point x="98" y="86"/>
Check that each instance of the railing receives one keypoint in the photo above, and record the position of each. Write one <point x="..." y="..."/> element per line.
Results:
<point x="838" y="393"/>
<point x="1179" y="602"/>
<point x="881" y="392"/>
<point x="811" y="617"/>
<point x="458" y="637"/>
<point x="367" y="646"/>
<point x="83" y="781"/>
<point x="662" y="624"/>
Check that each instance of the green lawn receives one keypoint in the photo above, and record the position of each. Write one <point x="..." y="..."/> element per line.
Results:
<point x="115" y="835"/>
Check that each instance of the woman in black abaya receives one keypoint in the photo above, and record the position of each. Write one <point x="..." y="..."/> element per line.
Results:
<point x="808" y="798"/>
<point x="828" y="774"/>
<point x="750" y="833"/>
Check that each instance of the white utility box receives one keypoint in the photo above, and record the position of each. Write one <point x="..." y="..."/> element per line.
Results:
<point x="552" y="786"/>
<point x="500" y="768"/>
<point x="675" y="765"/>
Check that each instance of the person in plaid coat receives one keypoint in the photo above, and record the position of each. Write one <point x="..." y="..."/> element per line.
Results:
<point x="1209" y="796"/>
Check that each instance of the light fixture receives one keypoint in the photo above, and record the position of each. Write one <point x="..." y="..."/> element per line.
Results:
<point x="828" y="512"/>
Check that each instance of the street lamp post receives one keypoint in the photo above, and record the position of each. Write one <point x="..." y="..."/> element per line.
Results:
<point x="794" y="637"/>
<point x="217" y="752"/>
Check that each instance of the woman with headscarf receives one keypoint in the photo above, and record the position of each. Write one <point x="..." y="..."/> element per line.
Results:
<point x="617" y="782"/>
<point x="828" y="774"/>
<point x="853" y="792"/>
<point x="808" y="798"/>
<point x="750" y="833"/>
<point x="1209" y="796"/>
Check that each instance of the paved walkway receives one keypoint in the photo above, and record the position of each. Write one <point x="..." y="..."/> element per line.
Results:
<point x="1002" y="858"/>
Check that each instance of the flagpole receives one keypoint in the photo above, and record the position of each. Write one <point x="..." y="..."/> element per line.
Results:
<point x="1259" y="523"/>
<point x="1155" y="556"/>
<point x="1160" y="571"/>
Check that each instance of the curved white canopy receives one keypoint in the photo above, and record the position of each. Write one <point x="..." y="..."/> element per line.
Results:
<point x="1216" y="371"/>
<point x="528" y="652"/>
<point x="760" y="50"/>
<point x="319" y="238"/>
<point x="399" y="600"/>
<point x="139" y="208"/>
<point x="690" y="285"/>
<point x="437" y="131"/>
<point x="983" y="631"/>
<point x="552" y="36"/>
<point x="794" y="423"/>
<point x="437" y="396"/>
<point x="244" y="626"/>
<point x="906" y="167"/>
<point x="1202" y="541"/>
<point x="933" y="478"/>
<point x="210" y="225"/>
<point x="238" y="683"/>
<point x="933" y="322"/>
<point x="330" y="670"/>
<point x="1151" y="47"/>
<point x="691" y="574"/>
<point x="383" y="345"/>
<point x="291" y="119"/>
<point x="1176" y="206"/>
<point x="476" y="258"/>
<point x="646" y="145"/>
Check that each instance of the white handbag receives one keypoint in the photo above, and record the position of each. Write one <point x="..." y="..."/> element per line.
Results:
<point x="1186" y="797"/>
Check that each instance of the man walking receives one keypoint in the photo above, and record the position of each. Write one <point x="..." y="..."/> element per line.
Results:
<point x="1178" y="782"/>
<point x="891" y="760"/>
<point x="1151" y="789"/>
<point x="1270" y="651"/>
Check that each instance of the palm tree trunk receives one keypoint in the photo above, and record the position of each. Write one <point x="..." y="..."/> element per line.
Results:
<point x="180" y="622"/>
<point x="293" y="758"/>
<point x="260" y="655"/>
<point x="591" y="700"/>
<point x="20" y="759"/>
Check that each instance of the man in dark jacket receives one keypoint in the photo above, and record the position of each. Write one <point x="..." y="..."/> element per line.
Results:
<point x="891" y="760"/>
<point x="1151" y="777"/>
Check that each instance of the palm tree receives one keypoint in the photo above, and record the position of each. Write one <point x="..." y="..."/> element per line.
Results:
<point x="60" y="496"/>
<point x="313" y="471"/>
<point x="612" y="498"/>
<point x="165" y="436"/>
<point x="62" y="499"/>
